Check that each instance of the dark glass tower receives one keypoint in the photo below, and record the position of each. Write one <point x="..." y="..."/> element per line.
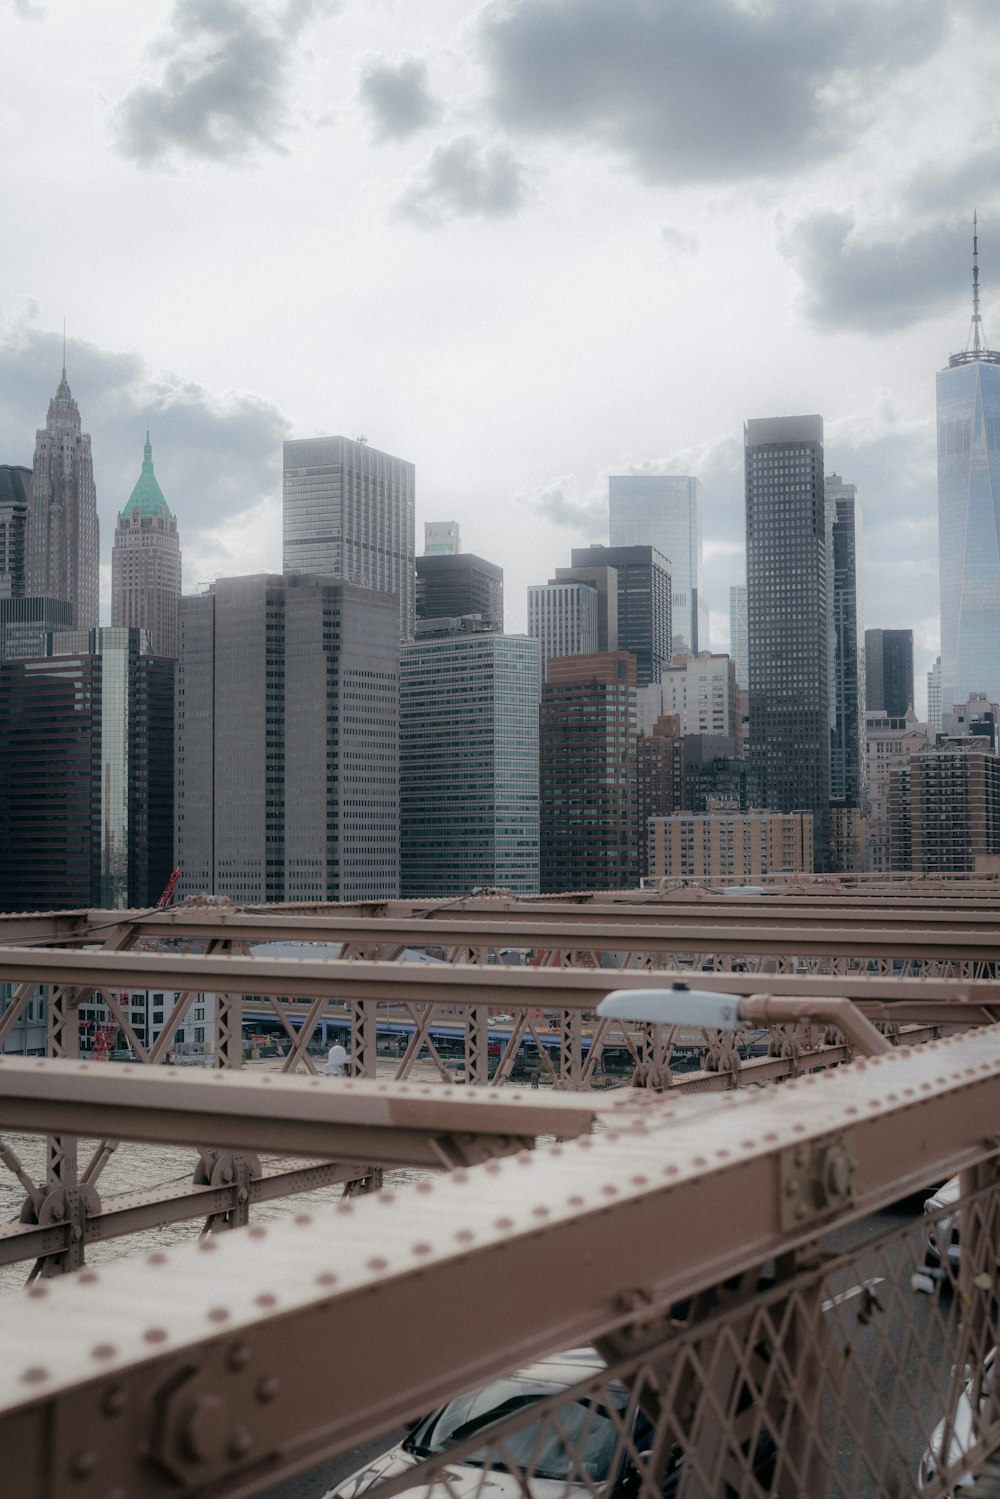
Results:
<point x="847" y="657"/>
<point x="968" y="443"/>
<point x="86" y="774"/>
<point x="889" y="672"/>
<point x="644" y="602"/>
<point x="460" y="583"/>
<point x="788" y="619"/>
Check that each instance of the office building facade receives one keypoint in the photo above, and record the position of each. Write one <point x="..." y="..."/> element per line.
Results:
<point x="738" y="632"/>
<point x="701" y="690"/>
<point x="664" y="511"/>
<point x="15" y="494"/>
<point x="944" y="809"/>
<point x="287" y="779"/>
<point x="348" y="512"/>
<point x="146" y="564"/>
<point x="564" y="617"/>
<point x="845" y="649"/>
<point x="441" y="538"/>
<point x="644" y="602"/>
<point x="889" y="672"/>
<point x="788" y="617"/>
<point x="726" y="844"/>
<point x="469" y="765"/>
<point x="659" y="779"/>
<point x="27" y="623"/>
<point x="86" y="774"/>
<point x="458" y="584"/>
<point x="968" y="453"/>
<point x="587" y="755"/>
<point x="62" y="538"/>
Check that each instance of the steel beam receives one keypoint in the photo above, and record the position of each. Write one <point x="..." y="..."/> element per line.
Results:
<point x="543" y="987"/>
<point x="336" y="1119"/>
<point x="226" y="1366"/>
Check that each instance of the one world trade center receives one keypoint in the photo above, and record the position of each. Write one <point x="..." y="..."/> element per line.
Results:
<point x="968" y="444"/>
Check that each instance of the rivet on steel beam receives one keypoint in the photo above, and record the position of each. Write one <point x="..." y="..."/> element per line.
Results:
<point x="76" y="1233"/>
<point x="302" y="1220"/>
<point x="239" y="1357"/>
<point x="203" y="1437"/>
<point x="207" y="1245"/>
<point x="267" y="1389"/>
<point x="217" y="1314"/>
<point x="115" y="1400"/>
<point x="378" y="1263"/>
<point x="156" y="1258"/>
<point x="35" y="1375"/>
<point x="257" y="1231"/>
<point x="464" y="1236"/>
<point x="87" y="1278"/>
<point x="504" y="1223"/>
<point x="83" y="1464"/>
<point x="265" y="1299"/>
<point x="103" y="1351"/>
<point x="240" y="1444"/>
<point x="38" y="1293"/>
<point x="421" y="1248"/>
<point x="424" y="1187"/>
<point x="155" y="1335"/>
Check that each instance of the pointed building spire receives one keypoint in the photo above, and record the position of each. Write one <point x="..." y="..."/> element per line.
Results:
<point x="64" y="351"/>
<point x="976" y="319"/>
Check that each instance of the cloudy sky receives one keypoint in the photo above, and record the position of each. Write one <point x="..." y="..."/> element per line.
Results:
<point x="524" y="244"/>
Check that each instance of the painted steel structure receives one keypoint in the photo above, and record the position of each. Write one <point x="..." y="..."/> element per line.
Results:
<point x="743" y="1351"/>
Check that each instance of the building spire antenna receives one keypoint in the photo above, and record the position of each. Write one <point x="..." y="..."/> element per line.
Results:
<point x="976" y="319"/>
<point x="64" y="348"/>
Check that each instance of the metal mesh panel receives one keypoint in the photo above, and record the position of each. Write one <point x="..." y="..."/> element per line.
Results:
<point x="854" y="1373"/>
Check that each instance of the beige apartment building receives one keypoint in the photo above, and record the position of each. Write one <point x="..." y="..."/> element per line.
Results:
<point x="724" y="843"/>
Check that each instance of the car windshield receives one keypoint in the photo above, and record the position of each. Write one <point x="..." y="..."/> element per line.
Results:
<point x="575" y="1441"/>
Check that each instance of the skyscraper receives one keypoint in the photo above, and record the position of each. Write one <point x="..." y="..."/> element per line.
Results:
<point x="664" y="511"/>
<point x="15" y="493"/>
<point x="788" y="617"/>
<point x="889" y="672"/>
<point x="587" y="761"/>
<point x="450" y="585"/>
<point x="644" y="602"/>
<point x="86" y="774"/>
<point x="934" y="695"/>
<point x="846" y="652"/>
<point x="441" y="538"/>
<point x="287" y="780"/>
<point x="968" y="442"/>
<point x="146" y="563"/>
<point x="469" y="765"/>
<point x="564" y="617"/>
<point x="62" y="552"/>
<point x="348" y="513"/>
<point x="738" y="632"/>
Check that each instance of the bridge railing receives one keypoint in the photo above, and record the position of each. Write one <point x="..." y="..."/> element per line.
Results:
<point x="743" y="1264"/>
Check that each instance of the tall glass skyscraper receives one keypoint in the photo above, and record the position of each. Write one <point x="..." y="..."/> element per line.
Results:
<point x="664" y="511"/>
<point x="788" y="615"/>
<point x="469" y="765"/>
<point x="348" y="512"/>
<point x="846" y="647"/>
<point x="968" y="438"/>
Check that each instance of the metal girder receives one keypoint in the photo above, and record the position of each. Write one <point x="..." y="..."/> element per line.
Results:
<point x="223" y="1367"/>
<point x="545" y="987"/>
<point x="336" y="1119"/>
<point x="133" y="1212"/>
<point x="743" y="932"/>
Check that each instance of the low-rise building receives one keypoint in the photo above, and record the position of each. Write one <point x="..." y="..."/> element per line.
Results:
<point x="725" y="843"/>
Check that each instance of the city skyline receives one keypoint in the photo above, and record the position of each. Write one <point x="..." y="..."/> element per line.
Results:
<point x="518" y="299"/>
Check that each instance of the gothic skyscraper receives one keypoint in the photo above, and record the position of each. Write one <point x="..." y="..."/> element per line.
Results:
<point x="62" y="552"/>
<point x="968" y="437"/>
<point x="146" y="563"/>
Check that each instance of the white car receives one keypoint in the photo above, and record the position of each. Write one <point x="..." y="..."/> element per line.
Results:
<point x="963" y="1434"/>
<point x="945" y="1234"/>
<point x="540" y="1464"/>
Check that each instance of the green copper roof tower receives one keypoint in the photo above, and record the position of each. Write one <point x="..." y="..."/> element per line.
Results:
<point x="146" y="563"/>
